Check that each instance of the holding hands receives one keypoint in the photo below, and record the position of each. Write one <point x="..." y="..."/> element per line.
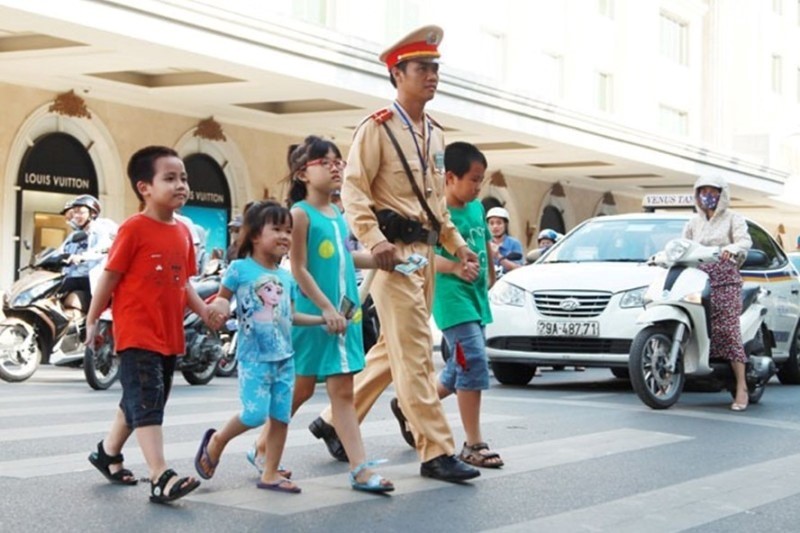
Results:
<point x="217" y="313"/>
<point x="335" y="322"/>
<point x="386" y="256"/>
<point x="469" y="267"/>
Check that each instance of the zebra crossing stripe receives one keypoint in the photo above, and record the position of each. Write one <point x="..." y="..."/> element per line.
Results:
<point x="680" y="506"/>
<point x="329" y="491"/>
<point x="76" y="462"/>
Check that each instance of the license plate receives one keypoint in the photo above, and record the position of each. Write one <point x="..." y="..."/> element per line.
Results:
<point x="567" y="329"/>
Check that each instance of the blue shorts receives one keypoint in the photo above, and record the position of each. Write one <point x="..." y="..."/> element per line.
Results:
<point x="265" y="390"/>
<point x="146" y="379"/>
<point x="471" y="372"/>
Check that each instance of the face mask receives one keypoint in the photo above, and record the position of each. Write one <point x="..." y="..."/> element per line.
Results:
<point x="709" y="200"/>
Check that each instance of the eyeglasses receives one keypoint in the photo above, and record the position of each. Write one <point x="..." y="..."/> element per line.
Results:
<point x="328" y="163"/>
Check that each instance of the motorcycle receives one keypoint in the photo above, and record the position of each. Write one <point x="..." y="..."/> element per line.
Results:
<point x="675" y="340"/>
<point x="37" y="327"/>
<point x="229" y="335"/>
<point x="204" y="347"/>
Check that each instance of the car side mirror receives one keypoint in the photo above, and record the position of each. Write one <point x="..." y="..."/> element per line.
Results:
<point x="755" y="259"/>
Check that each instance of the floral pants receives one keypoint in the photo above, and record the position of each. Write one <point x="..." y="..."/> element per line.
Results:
<point x="726" y="307"/>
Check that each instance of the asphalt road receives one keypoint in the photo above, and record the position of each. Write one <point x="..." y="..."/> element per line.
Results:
<point x="581" y="452"/>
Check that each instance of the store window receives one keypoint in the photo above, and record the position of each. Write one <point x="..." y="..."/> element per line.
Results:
<point x="209" y="203"/>
<point x="54" y="170"/>
<point x="552" y="219"/>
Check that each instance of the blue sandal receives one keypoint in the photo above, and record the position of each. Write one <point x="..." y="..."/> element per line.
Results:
<point x="258" y="464"/>
<point x="375" y="483"/>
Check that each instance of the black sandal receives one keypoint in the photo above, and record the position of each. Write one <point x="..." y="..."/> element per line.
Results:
<point x="101" y="461"/>
<point x="179" y="489"/>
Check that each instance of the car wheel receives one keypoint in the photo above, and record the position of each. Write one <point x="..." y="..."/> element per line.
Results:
<point x="789" y="373"/>
<point x="621" y="373"/>
<point x="655" y="386"/>
<point x="513" y="373"/>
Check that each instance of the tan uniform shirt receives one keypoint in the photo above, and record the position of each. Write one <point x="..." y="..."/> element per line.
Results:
<point x="375" y="179"/>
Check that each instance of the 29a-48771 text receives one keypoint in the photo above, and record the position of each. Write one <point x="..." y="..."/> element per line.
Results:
<point x="567" y="329"/>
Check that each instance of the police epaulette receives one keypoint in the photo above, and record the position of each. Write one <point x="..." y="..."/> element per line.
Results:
<point x="382" y="115"/>
<point x="434" y="122"/>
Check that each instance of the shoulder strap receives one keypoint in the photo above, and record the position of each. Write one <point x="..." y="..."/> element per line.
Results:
<point x="437" y="227"/>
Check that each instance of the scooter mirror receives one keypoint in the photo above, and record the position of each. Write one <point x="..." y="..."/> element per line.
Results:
<point x="514" y="256"/>
<point x="78" y="236"/>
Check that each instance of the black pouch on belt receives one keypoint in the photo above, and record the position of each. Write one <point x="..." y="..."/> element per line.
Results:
<point x="396" y="227"/>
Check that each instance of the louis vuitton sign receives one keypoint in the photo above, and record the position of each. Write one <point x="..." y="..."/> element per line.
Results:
<point x="58" y="163"/>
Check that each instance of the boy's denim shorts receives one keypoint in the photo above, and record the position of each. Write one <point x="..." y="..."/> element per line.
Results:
<point x="471" y="373"/>
<point x="146" y="379"/>
<point x="265" y="390"/>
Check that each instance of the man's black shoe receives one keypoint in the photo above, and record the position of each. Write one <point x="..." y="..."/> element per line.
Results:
<point x="448" y="468"/>
<point x="401" y="418"/>
<point x="322" y="430"/>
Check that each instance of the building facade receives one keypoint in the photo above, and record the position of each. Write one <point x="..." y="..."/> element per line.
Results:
<point x="581" y="106"/>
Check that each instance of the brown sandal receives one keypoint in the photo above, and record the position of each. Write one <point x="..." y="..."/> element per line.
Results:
<point x="479" y="455"/>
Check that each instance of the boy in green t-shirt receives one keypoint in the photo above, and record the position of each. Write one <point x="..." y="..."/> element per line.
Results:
<point x="461" y="302"/>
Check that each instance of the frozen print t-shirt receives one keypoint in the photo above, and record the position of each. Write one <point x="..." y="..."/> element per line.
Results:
<point x="264" y="300"/>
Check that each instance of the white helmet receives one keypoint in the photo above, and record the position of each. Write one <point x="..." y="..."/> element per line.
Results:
<point x="499" y="212"/>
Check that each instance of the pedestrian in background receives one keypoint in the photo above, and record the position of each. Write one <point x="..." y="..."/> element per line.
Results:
<point x="502" y="243"/>
<point x="147" y="274"/>
<point x="233" y="230"/>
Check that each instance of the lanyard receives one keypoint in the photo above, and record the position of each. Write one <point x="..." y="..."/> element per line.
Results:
<point x="422" y="160"/>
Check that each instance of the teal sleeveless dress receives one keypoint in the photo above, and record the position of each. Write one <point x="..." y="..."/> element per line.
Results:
<point x="316" y="352"/>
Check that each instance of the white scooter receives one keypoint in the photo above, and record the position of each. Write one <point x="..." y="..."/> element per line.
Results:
<point x="675" y="341"/>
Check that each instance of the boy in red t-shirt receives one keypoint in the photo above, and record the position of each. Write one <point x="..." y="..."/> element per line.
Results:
<point x="147" y="274"/>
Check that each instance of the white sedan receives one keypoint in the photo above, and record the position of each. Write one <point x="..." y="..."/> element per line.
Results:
<point x="579" y="303"/>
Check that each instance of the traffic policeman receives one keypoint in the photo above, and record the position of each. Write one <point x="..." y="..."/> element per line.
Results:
<point x="394" y="201"/>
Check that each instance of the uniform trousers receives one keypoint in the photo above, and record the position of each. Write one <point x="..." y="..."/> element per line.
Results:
<point x="403" y="354"/>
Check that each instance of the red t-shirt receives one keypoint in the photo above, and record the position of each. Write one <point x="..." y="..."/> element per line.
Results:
<point x="155" y="260"/>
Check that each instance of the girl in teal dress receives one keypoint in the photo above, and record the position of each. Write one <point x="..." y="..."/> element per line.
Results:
<point x="325" y="272"/>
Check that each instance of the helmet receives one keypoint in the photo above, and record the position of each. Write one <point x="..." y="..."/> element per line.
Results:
<point x="548" y="234"/>
<point x="67" y="207"/>
<point x="499" y="212"/>
<point x="88" y="201"/>
<point x="236" y="222"/>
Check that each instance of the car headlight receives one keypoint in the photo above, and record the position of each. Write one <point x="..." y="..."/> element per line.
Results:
<point x="633" y="298"/>
<point x="25" y="298"/>
<point x="675" y="249"/>
<point x="504" y="293"/>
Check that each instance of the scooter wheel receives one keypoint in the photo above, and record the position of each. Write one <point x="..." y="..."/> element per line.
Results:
<point x="653" y="383"/>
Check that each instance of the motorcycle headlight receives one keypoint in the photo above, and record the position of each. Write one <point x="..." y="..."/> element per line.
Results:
<point x="676" y="248"/>
<point x="693" y="298"/>
<point x="633" y="298"/>
<point x="504" y="293"/>
<point x="25" y="298"/>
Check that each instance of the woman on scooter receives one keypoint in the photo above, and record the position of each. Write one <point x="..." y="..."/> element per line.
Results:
<point x="715" y="225"/>
<point x="85" y="253"/>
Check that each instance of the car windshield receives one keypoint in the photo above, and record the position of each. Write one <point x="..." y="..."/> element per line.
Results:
<point x="629" y="240"/>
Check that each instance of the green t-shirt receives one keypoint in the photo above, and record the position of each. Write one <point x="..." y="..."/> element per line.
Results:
<point x="456" y="301"/>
